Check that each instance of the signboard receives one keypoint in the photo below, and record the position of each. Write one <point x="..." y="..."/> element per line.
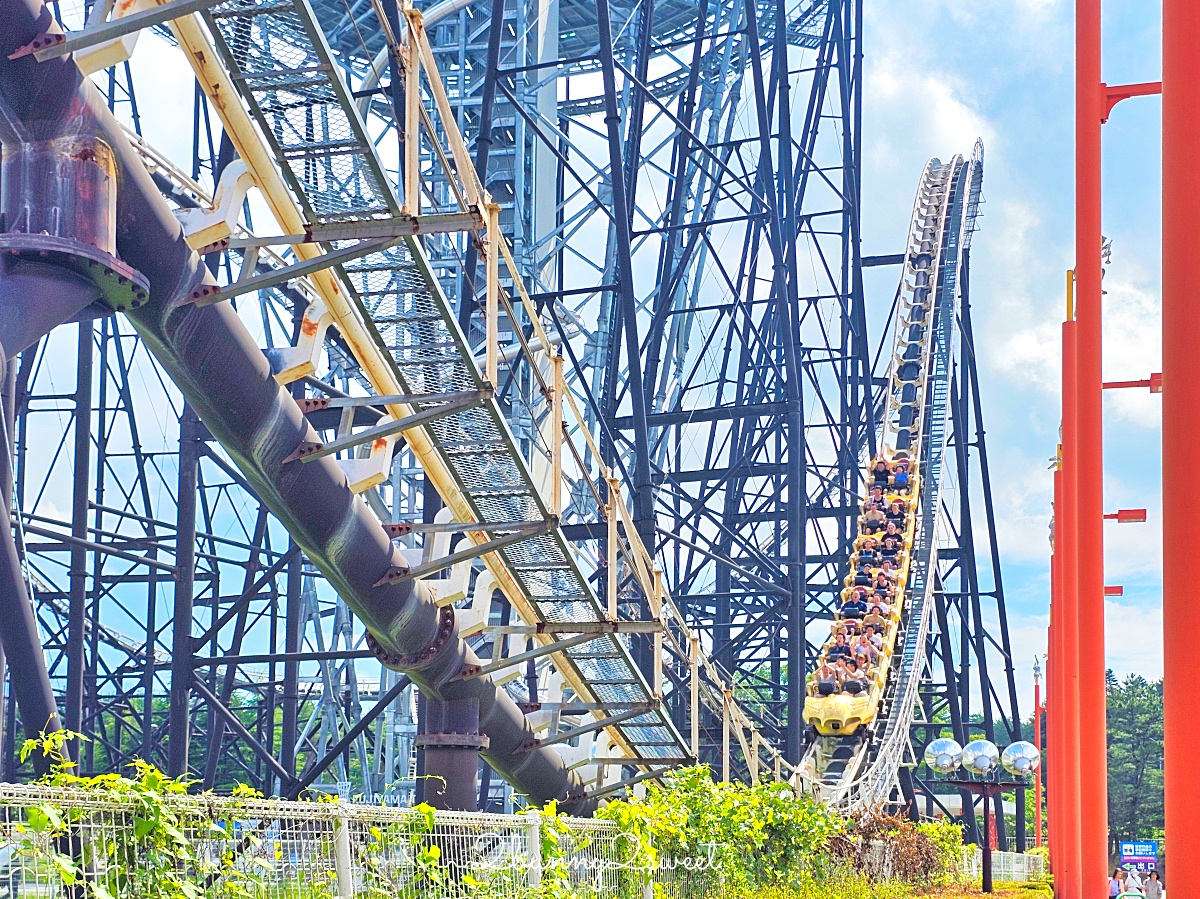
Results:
<point x="1140" y="855"/>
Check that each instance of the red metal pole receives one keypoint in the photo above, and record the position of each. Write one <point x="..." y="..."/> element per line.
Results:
<point x="1037" y="775"/>
<point x="1052" y="760"/>
<point x="1087" y="458"/>
<point x="1181" y="398"/>
<point x="1070" y="805"/>
<point x="1054" y="684"/>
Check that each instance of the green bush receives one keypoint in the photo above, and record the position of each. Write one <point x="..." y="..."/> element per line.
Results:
<point x="751" y="835"/>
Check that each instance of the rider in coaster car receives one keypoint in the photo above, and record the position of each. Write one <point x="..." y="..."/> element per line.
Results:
<point x="873" y="637"/>
<point x="891" y="549"/>
<point x="862" y="577"/>
<point x="895" y="513"/>
<point x="877" y="497"/>
<point x="890" y="571"/>
<point x="855" y="607"/>
<point x="864" y="652"/>
<point x="826" y="680"/>
<point x="870" y="552"/>
<point x="900" y="480"/>
<point x="880" y="605"/>
<point x="853" y="681"/>
<point x="839" y="649"/>
<point x="875" y="620"/>
<point x="874" y="519"/>
<point x="892" y="530"/>
<point x="882" y="586"/>
<point x="880" y="473"/>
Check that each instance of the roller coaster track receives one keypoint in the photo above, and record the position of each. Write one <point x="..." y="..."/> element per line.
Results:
<point x="946" y="207"/>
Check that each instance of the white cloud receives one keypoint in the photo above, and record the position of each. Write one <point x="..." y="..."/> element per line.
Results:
<point x="1024" y="334"/>
<point x="918" y="113"/>
<point x="1133" y="639"/>
<point x="1132" y="346"/>
<point x="1023" y="491"/>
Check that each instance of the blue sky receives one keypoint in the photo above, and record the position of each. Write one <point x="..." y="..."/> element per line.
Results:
<point x="938" y="73"/>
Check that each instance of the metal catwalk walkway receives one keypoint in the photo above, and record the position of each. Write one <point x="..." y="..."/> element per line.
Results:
<point x="275" y="53"/>
<point x="405" y="336"/>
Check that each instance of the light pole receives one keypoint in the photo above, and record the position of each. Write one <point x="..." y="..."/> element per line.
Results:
<point x="979" y="760"/>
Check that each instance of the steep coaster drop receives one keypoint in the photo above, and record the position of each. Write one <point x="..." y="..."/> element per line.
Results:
<point x="862" y="690"/>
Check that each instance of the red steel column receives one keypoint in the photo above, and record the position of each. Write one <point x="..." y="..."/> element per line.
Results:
<point x="1054" y="755"/>
<point x="1037" y="775"/>
<point x="1052" y="785"/>
<point x="1181" y="399"/>
<point x="1088" y="460"/>
<point x="1071" y="804"/>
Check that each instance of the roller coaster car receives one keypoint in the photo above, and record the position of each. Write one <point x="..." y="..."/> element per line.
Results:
<point x="841" y="715"/>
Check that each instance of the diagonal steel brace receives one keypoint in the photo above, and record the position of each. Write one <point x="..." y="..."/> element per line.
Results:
<point x="455" y="402"/>
<point x="403" y="573"/>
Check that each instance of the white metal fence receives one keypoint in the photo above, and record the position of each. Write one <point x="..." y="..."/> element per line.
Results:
<point x="70" y="844"/>
<point x="63" y="843"/>
<point x="1005" y="865"/>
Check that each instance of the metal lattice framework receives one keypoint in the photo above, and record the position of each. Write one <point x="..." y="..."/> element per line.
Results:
<point x="679" y="181"/>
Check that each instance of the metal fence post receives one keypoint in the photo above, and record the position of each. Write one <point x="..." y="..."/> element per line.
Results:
<point x="533" y="847"/>
<point x="341" y="855"/>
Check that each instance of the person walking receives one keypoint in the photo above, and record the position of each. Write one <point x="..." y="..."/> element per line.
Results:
<point x="1115" y="884"/>
<point x="1133" y="882"/>
<point x="1154" y="887"/>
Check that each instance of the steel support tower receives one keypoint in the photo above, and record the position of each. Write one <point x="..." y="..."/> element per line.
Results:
<point x="680" y="180"/>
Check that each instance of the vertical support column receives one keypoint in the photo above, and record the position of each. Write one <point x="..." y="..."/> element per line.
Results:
<point x="451" y="743"/>
<point x="556" y="433"/>
<point x="545" y="163"/>
<point x="77" y="607"/>
<point x="1181" y="397"/>
<point x="1054" y="691"/>
<point x="8" y="410"/>
<point x="622" y="208"/>
<point x="412" y="118"/>
<point x="293" y="631"/>
<point x="179" y="727"/>
<point x="725" y="737"/>
<point x="1068" y="624"/>
<point x="342" y="867"/>
<point x="533" y="848"/>
<point x="492" y="265"/>
<point x="1087" y="455"/>
<point x="656" y="681"/>
<point x="694" y="683"/>
<point x="611" y="548"/>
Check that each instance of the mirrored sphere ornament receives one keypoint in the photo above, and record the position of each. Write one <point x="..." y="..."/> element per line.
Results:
<point x="1021" y="758"/>
<point x="980" y="756"/>
<point x="943" y="756"/>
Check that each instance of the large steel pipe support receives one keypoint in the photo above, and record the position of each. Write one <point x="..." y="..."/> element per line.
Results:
<point x="215" y="363"/>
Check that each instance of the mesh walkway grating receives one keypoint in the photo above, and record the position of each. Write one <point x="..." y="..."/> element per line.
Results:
<point x="278" y="57"/>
